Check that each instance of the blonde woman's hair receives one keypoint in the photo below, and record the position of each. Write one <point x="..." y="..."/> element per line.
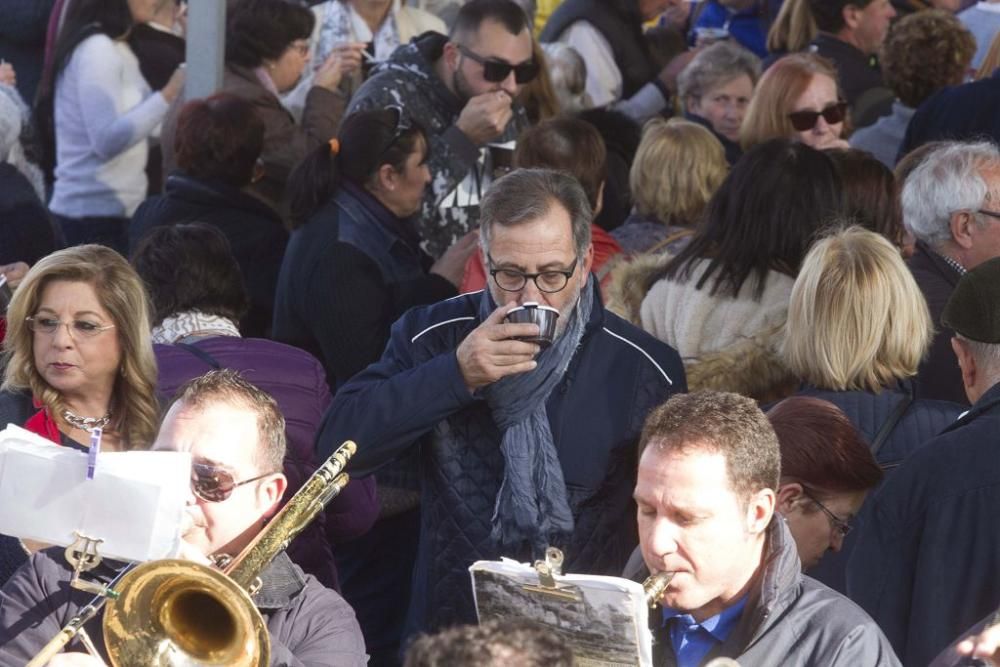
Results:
<point x="677" y="169"/>
<point x="779" y="87"/>
<point x="856" y="318"/>
<point x="134" y="409"/>
<point x="793" y="28"/>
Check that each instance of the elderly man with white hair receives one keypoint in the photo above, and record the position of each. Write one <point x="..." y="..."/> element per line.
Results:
<point x="951" y="204"/>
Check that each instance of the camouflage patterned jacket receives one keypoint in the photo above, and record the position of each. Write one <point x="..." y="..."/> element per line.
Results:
<point x="408" y="80"/>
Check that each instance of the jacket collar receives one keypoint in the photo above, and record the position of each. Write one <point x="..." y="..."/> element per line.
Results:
<point x="183" y="186"/>
<point x="989" y="402"/>
<point x="925" y="254"/>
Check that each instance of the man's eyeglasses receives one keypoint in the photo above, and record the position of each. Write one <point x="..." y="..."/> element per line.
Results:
<point x="512" y="280"/>
<point x="803" y="121"/>
<point x="991" y="214"/>
<point x="496" y="70"/>
<point x="214" y="484"/>
<point x="842" y="527"/>
<point x="76" y="328"/>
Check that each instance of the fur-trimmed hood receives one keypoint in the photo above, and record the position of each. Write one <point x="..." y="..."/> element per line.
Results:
<point x="751" y="366"/>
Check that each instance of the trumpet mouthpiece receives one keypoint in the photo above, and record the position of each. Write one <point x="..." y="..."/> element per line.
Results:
<point x="655" y="586"/>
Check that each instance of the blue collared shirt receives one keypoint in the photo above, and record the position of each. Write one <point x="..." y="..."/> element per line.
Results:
<point x="693" y="640"/>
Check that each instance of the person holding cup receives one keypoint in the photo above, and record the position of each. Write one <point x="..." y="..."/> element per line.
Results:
<point x="521" y="447"/>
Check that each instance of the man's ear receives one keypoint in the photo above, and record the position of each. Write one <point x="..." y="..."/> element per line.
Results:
<point x="451" y="55"/>
<point x="760" y="509"/>
<point x="851" y="16"/>
<point x="961" y="225"/>
<point x="788" y="495"/>
<point x="966" y="362"/>
<point x="270" y="494"/>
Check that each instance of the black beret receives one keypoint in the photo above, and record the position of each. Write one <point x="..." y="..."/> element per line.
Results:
<point x="974" y="307"/>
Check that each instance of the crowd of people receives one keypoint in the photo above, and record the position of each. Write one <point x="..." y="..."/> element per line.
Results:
<point x="764" y="236"/>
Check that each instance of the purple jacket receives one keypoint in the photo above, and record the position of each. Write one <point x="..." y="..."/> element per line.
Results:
<point x="297" y="382"/>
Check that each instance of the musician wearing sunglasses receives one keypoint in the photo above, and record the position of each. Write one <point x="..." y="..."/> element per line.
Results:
<point x="797" y="98"/>
<point x="236" y="437"/>
<point x="463" y="89"/>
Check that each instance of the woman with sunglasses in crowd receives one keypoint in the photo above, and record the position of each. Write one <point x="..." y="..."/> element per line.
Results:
<point x="267" y="49"/>
<point x="78" y="353"/>
<point x="826" y="471"/>
<point x="797" y="98"/>
<point x="353" y="266"/>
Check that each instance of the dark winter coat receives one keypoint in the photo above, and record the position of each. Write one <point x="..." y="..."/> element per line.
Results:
<point x="939" y="376"/>
<point x="925" y="562"/>
<point x="415" y="394"/>
<point x="868" y="411"/>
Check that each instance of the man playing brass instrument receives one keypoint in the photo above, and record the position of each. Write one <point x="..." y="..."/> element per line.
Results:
<point x="708" y="471"/>
<point x="236" y="436"/>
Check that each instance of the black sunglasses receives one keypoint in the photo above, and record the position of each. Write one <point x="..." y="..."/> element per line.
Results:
<point x="214" y="484"/>
<point x="496" y="71"/>
<point x="803" y="121"/>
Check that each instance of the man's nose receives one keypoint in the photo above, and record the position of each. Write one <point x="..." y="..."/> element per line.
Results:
<point x="510" y="86"/>
<point x="662" y="538"/>
<point x="530" y="292"/>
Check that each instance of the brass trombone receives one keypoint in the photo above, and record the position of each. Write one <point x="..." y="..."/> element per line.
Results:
<point x="176" y="612"/>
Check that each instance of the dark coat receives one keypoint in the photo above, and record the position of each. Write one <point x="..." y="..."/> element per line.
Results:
<point x="939" y="376"/>
<point x="307" y="623"/>
<point x="860" y="79"/>
<point x="297" y="382"/>
<point x="253" y="228"/>
<point x="868" y="411"/>
<point x="925" y="562"/>
<point x="957" y="113"/>
<point x="789" y="619"/>
<point x="620" y="22"/>
<point x="352" y="262"/>
<point x="26" y="231"/>
<point x="415" y="396"/>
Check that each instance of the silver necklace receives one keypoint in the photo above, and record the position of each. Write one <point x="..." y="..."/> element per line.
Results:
<point x="86" y="423"/>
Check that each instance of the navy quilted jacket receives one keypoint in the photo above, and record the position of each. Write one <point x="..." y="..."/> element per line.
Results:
<point x="415" y="395"/>
<point x="923" y="420"/>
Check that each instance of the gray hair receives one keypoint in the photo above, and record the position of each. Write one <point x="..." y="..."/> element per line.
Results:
<point x="568" y="73"/>
<point x="525" y="195"/>
<point x="714" y="66"/>
<point x="987" y="356"/>
<point x="948" y="180"/>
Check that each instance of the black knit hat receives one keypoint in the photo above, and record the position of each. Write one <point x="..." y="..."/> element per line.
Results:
<point x="974" y="307"/>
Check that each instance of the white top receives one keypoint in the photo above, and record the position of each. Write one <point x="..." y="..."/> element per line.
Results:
<point x="104" y="113"/>
<point x="695" y="323"/>
<point x="604" y="79"/>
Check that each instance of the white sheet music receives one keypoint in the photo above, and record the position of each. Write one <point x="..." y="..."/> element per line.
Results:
<point x="134" y="503"/>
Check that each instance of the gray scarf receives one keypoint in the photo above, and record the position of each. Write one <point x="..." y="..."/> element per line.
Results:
<point x="532" y="505"/>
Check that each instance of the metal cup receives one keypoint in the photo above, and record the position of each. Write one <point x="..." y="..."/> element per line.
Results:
<point x="532" y="313"/>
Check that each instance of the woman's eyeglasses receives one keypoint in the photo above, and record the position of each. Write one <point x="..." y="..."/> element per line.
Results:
<point x="214" y="484"/>
<point x="803" y="121"/>
<point x="842" y="527"/>
<point x="495" y="70"/>
<point x="76" y="328"/>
